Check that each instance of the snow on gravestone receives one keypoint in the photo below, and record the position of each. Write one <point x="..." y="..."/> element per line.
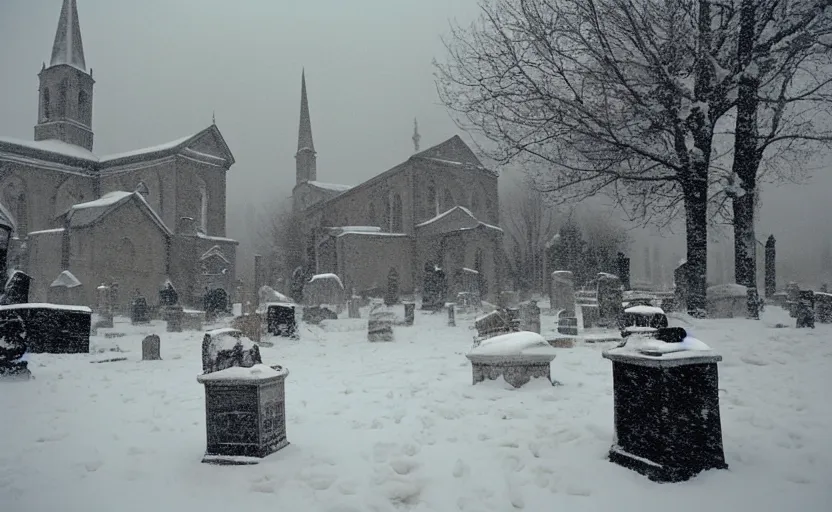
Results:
<point x="324" y="289"/>
<point x="517" y="357"/>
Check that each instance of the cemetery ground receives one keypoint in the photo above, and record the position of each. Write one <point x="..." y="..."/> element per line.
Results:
<point x="398" y="426"/>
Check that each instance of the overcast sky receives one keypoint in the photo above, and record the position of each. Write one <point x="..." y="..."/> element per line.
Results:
<point x="163" y="66"/>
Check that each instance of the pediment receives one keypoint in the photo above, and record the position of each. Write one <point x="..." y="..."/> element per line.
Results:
<point x="210" y="142"/>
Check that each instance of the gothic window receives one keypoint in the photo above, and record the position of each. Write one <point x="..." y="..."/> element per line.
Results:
<point x="448" y="200"/>
<point x="82" y="105"/>
<point x="398" y="226"/>
<point x="62" y="92"/>
<point x="45" y="104"/>
<point x="203" y="207"/>
<point x="386" y="224"/>
<point x="432" y="206"/>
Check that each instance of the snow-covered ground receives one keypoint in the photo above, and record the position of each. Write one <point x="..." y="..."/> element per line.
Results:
<point x="398" y="426"/>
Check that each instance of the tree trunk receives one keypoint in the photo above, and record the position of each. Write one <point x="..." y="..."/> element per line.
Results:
<point x="696" y="237"/>
<point x="745" y="250"/>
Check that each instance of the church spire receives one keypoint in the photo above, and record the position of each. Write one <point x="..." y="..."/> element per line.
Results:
<point x="68" y="48"/>
<point x="305" y="160"/>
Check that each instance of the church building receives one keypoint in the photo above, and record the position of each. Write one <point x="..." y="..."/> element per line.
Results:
<point x="138" y="218"/>
<point x="438" y="208"/>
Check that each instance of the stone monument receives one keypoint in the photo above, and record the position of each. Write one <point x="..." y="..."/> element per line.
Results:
<point x="150" y="348"/>
<point x="517" y="357"/>
<point x="562" y="291"/>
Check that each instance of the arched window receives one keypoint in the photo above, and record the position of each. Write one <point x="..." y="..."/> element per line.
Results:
<point x="203" y="207"/>
<point x="13" y="196"/>
<point x="398" y="224"/>
<point x="432" y="207"/>
<point x="475" y="203"/>
<point x="45" y="103"/>
<point x="62" y="91"/>
<point x="82" y="105"/>
<point x="386" y="223"/>
<point x="448" y="201"/>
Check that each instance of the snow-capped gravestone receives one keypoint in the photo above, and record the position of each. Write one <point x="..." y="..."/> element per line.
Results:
<point x="727" y="301"/>
<point x="494" y="323"/>
<point x="245" y="411"/>
<point x="642" y="319"/>
<point x="105" y="308"/>
<point x="530" y="317"/>
<point x="792" y="298"/>
<point x="151" y="348"/>
<point x="666" y="400"/>
<point x="562" y="291"/>
<point x="13" y="364"/>
<point x="280" y="320"/>
<point x="324" y="289"/>
<point x="517" y="357"/>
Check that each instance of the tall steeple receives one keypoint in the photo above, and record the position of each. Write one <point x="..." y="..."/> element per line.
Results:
<point x="68" y="48"/>
<point x="65" y="104"/>
<point x="305" y="159"/>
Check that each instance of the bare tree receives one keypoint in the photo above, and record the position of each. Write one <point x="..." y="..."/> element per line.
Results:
<point x="783" y="71"/>
<point x="610" y="96"/>
<point x="282" y="244"/>
<point x="529" y="222"/>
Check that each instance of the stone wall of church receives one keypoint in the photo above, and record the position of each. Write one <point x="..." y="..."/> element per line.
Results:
<point x="44" y="262"/>
<point x="438" y="188"/>
<point x="157" y="177"/>
<point x="126" y="247"/>
<point x="456" y="250"/>
<point x="364" y="261"/>
<point x="36" y="196"/>
<point x="192" y="179"/>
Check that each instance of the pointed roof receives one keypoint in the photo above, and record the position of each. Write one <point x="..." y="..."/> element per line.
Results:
<point x="452" y="151"/>
<point x="89" y="213"/>
<point x="67" y="48"/>
<point x="65" y="279"/>
<point x="305" y="127"/>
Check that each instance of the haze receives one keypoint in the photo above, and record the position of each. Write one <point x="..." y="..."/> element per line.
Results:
<point x="162" y="67"/>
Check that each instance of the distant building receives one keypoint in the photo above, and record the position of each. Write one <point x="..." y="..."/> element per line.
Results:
<point x="136" y="218"/>
<point x="439" y="207"/>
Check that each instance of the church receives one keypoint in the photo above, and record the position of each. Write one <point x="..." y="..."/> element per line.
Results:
<point x="439" y="208"/>
<point x="138" y="219"/>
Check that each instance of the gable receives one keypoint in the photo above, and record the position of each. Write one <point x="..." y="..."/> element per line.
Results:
<point x="452" y="220"/>
<point x="453" y="150"/>
<point x="210" y="143"/>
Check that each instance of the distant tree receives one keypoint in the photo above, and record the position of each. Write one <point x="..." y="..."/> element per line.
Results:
<point x="281" y="242"/>
<point x="528" y="223"/>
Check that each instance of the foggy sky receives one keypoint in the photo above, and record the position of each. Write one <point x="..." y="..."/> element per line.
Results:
<point x="163" y="66"/>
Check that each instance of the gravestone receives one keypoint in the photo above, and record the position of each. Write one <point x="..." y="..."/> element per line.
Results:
<point x="591" y="315"/>
<point x="280" y="320"/>
<point x="226" y="348"/>
<point x="610" y="299"/>
<point x="150" y="348"/>
<point x="324" y="289"/>
<point x="168" y="295"/>
<point x="13" y="364"/>
<point x="249" y="324"/>
<point x="516" y="357"/>
<point x="622" y="264"/>
<point x="174" y="316"/>
<point x="530" y="317"/>
<point x="391" y="294"/>
<point x="562" y="291"/>
<point x="792" y="298"/>
<point x="771" y="267"/>
<point x="139" y="311"/>
<point x="245" y="413"/>
<point x="434" y="287"/>
<point x="806" y="309"/>
<point x="666" y="413"/>
<point x="215" y="303"/>
<point x="409" y="313"/>
<point x="451" y="315"/>
<point x="16" y="290"/>
<point x="353" y="308"/>
<point x="567" y="324"/>
<point x="495" y="323"/>
<point x="52" y="328"/>
<point x="315" y="315"/>
<point x="105" y="308"/>
<point x="380" y="325"/>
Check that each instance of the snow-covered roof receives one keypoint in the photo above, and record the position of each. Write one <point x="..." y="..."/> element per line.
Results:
<point x="457" y="209"/>
<point x="321" y="277"/>
<point x="52" y="146"/>
<point x="453" y="151"/>
<point x="54" y="231"/>
<point x="152" y="149"/>
<point x="256" y="372"/>
<point x="66" y="279"/>
<point x="86" y="214"/>
<point x="330" y="186"/>
<point x="644" y="310"/>
<point x="523" y="343"/>
<point x="44" y="305"/>
<point x="202" y="235"/>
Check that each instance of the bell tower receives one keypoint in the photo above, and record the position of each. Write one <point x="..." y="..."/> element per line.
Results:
<point x="65" y="92"/>
<point x="305" y="159"/>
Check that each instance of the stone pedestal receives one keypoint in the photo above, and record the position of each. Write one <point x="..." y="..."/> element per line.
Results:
<point x="409" y="313"/>
<point x="667" y="422"/>
<point x="150" y="348"/>
<point x="517" y="357"/>
<point x="51" y="328"/>
<point x="280" y="320"/>
<point x="245" y="413"/>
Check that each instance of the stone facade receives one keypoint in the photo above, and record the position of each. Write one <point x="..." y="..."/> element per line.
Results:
<point x="142" y="241"/>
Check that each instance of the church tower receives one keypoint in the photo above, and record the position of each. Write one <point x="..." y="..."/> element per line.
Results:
<point x="65" y="93"/>
<point x="305" y="160"/>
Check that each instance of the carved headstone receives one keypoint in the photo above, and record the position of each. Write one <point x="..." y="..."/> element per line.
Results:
<point x="174" y="316"/>
<point x="792" y="298"/>
<point x="150" y="348"/>
<point x="139" y="311"/>
<point x="391" y="295"/>
<point x="451" y="316"/>
<point x="567" y="324"/>
<point x="280" y="320"/>
<point x="380" y="325"/>
<point x="226" y="348"/>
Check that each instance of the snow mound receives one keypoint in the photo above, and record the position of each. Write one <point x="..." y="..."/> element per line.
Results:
<point x="644" y="310"/>
<point x="256" y="372"/>
<point x="722" y="291"/>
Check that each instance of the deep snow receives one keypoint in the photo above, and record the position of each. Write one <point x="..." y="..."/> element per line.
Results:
<point x="398" y="426"/>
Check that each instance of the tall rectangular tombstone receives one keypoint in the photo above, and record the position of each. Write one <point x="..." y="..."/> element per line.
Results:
<point x="667" y="422"/>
